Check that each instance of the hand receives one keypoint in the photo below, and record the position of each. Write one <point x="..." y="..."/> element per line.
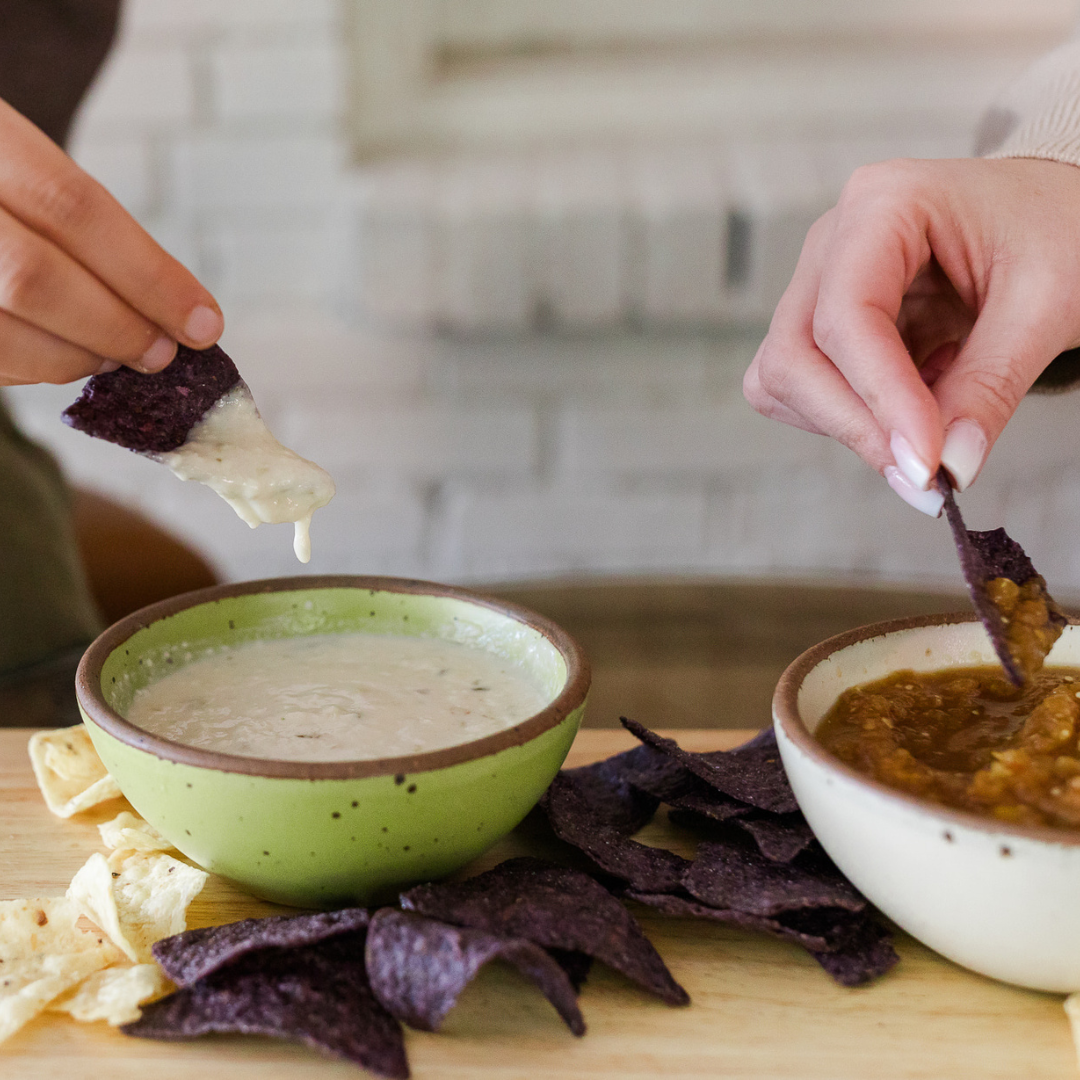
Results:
<point x="83" y="288"/>
<point x="923" y="307"/>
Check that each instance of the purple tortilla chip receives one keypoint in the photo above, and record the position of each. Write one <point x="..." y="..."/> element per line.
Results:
<point x="704" y="803"/>
<point x="576" y="820"/>
<point x="649" y="770"/>
<point x="577" y="965"/>
<point x="419" y="966"/>
<point x="553" y="907"/>
<point x="189" y="956"/>
<point x="688" y="908"/>
<point x="852" y="947"/>
<point x="315" y="994"/>
<point x="751" y="773"/>
<point x="985" y="556"/>
<point x="153" y="414"/>
<point x="733" y="875"/>
<point x="611" y="797"/>
<point x="866" y="954"/>
<point x="779" y="837"/>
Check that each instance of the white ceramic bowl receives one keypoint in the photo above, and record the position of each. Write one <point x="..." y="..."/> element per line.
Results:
<point x="1003" y="900"/>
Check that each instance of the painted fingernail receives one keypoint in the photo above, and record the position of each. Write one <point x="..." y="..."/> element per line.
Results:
<point x="908" y="462"/>
<point x="158" y="355"/>
<point x="204" y="324"/>
<point x="106" y="367"/>
<point x="929" y="502"/>
<point x="964" y="452"/>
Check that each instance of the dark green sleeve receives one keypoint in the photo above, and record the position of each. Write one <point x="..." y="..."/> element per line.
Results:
<point x="45" y="602"/>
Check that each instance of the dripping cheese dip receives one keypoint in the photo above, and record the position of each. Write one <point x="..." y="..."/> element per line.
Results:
<point x="337" y="697"/>
<point x="233" y="452"/>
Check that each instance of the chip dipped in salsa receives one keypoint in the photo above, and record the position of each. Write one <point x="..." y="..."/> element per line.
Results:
<point x="969" y="739"/>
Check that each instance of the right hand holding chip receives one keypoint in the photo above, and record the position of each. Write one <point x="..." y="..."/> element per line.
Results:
<point x="923" y="307"/>
<point x="83" y="288"/>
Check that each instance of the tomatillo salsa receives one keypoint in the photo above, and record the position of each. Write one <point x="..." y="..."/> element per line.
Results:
<point x="969" y="739"/>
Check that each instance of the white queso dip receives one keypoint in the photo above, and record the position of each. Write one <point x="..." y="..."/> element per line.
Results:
<point x="337" y="697"/>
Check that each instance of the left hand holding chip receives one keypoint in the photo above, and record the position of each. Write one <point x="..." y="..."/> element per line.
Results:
<point x="83" y="287"/>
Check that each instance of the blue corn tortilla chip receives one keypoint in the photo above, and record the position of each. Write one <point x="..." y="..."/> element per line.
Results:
<point x="648" y="770"/>
<point x="553" y="907"/>
<point x="315" y="994"/>
<point x="779" y="837"/>
<point x="576" y="812"/>
<point x="867" y="953"/>
<point x="730" y="875"/>
<point x="153" y="414"/>
<point x="612" y="796"/>
<point x="751" y="773"/>
<point x="190" y="956"/>
<point x="417" y="967"/>
<point x="850" y="946"/>
<point x="685" y="906"/>
<point x="577" y="965"/>
<point x="702" y="804"/>
<point x="986" y="557"/>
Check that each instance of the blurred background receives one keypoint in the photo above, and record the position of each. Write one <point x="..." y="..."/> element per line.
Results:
<point x="499" y="265"/>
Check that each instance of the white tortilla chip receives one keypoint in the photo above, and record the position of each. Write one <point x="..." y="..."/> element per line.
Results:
<point x="69" y="771"/>
<point x="136" y="897"/>
<point x="43" y="953"/>
<point x="128" y="832"/>
<point x="114" y="994"/>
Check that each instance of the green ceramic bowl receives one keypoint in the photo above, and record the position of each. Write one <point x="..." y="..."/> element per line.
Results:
<point x="330" y="834"/>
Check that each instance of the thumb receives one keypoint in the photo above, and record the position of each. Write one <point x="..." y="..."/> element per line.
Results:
<point x="1010" y="344"/>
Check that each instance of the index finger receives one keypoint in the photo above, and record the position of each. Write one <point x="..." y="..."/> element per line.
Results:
<point x="48" y="192"/>
<point x="878" y="247"/>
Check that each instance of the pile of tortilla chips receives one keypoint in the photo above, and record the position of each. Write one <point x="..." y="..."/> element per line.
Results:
<point x="345" y="982"/>
<point x="758" y="865"/>
<point x="87" y="953"/>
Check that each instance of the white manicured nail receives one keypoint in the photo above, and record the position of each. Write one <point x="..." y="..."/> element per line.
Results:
<point x="964" y="452"/>
<point x="106" y="367"/>
<point x="929" y="502"/>
<point x="908" y="462"/>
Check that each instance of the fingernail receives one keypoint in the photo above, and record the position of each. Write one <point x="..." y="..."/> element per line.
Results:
<point x="106" y="367"/>
<point x="929" y="502"/>
<point x="158" y="355"/>
<point x="204" y="324"/>
<point x="908" y="462"/>
<point x="964" y="452"/>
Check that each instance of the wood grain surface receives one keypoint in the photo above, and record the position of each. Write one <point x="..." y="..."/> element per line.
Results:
<point x="761" y="1008"/>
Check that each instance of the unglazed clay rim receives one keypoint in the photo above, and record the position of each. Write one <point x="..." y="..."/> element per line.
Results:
<point x="786" y="714"/>
<point x="88" y="684"/>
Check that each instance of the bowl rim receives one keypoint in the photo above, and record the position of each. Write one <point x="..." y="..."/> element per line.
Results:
<point x="90" y="696"/>
<point x="787" y="717"/>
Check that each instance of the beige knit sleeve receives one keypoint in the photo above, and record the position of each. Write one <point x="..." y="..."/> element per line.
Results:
<point x="1038" y="116"/>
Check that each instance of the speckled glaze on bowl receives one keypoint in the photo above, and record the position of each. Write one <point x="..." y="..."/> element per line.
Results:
<point x="328" y="834"/>
<point x="1002" y="900"/>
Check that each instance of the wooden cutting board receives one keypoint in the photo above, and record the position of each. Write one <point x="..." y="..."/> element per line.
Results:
<point x="761" y="1008"/>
